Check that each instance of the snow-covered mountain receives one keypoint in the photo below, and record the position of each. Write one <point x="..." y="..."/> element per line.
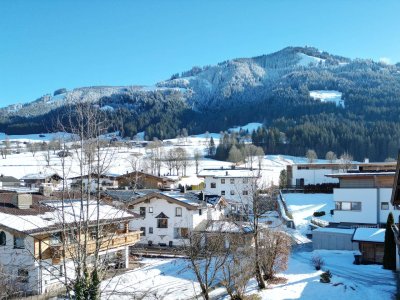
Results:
<point x="210" y="86"/>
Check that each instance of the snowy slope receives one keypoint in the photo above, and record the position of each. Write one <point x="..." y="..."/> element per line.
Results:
<point x="328" y="96"/>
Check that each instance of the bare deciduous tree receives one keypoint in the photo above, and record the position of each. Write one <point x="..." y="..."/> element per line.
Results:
<point x="311" y="156"/>
<point x="206" y="258"/>
<point x="330" y="156"/>
<point x="197" y="157"/>
<point x="346" y="161"/>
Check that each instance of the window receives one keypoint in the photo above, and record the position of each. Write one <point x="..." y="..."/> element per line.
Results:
<point x="19" y="242"/>
<point x="162" y="223"/>
<point x="3" y="238"/>
<point x="213" y="185"/>
<point x="245" y="193"/>
<point x="222" y="193"/>
<point x="385" y="206"/>
<point x="355" y="205"/>
<point x="143" y="229"/>
<point x="348" y="206"/>
<point x="142" y="211"/>
<point x="232" y="180"/>
<point x="178" y="211"/>
<point x="223" y="180"/>
<point x="23" y="275"/>
<point x="200" y="212"/>
<point x="55" y="238"/>
<point x="245" y="180"/>
<point x="180" y="233"/>
<point x="150" y="210"/>
<point x="232" y="192"/>
<point x="150" y="230"/>
<point x="56" y="272"/>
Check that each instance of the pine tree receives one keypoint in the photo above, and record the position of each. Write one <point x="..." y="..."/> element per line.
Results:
<point x="389" y="256"/>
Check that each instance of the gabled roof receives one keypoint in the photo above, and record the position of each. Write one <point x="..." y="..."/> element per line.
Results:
<point x="189" y="201"/>
<point x="143" y="174"/>
<point x="94" y="176"/>
<point x="396" y="184"/>
<point x="161" y="216"/>
<point x="49" y="215"/>
<point x="8" y="179"/>
<point x="227" y="227"/>
<point x="229" y="173"/>
<point x="40" y="176"/>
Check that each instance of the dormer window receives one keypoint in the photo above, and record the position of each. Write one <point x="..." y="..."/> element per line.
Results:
<point x="162" y="220"/>
<point x="213" y="185"/>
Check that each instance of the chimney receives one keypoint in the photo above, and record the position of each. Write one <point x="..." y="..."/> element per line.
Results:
<point x="22" y="201"/>
<point x="366" y="160"/>
<point x="226" y="173"/>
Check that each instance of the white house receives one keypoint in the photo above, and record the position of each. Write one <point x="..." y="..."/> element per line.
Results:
<point x="95" y="182"/>
<point x="167" y="218"/>
<point x="363" y="198"/>
<point x="300" y="175"/>
<point x="32" y="240"/>
<point x="236" y="185"/>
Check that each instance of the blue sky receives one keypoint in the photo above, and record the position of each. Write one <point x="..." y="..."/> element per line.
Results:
<point x="50" y="44"/>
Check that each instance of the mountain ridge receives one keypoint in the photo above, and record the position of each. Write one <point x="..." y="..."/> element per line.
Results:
<point x="275" y="89"/>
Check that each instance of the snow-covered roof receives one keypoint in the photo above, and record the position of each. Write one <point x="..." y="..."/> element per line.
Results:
<point x="228" y="173"/>
<point x="52" y="216"/>
<point x="41" y="175"/>
<point x="376" y="235"/>
<point x="360" y="174"/>
<point x="334" y="230"/>
<point x="228" y="227"/>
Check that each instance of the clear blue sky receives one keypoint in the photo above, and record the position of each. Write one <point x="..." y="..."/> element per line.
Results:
<point x="50" y="44"/>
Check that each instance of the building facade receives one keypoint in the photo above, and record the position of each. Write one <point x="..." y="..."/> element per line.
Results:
<point x="167" y="218"/>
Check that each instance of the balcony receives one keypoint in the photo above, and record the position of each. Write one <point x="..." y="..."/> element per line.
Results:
<point x="107" y="242"/>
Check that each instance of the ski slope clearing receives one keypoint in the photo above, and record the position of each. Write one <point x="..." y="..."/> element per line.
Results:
<point x="328" y="96"/>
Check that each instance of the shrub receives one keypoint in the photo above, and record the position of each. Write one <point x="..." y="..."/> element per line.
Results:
<point x="325" y="277"/>
<point x="317" y="262"/>
<point x="319" y="213"/>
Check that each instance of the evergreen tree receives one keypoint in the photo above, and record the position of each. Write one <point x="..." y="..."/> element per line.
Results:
<point x="389" y="256"/>
<point x="211" y="147"/>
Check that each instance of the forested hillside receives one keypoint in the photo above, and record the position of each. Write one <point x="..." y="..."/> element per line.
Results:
<point x="273" y="89"/>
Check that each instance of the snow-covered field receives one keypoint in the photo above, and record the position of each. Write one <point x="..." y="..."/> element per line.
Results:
<point x="18" y="165"/>
<point x="172" y="279"/>
<point x="302" y="207"/>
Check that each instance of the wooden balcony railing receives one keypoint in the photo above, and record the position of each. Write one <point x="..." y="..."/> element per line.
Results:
<point x="57" y="252"/>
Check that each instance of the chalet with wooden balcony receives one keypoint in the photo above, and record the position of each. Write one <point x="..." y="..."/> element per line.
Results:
<point x="40" y="240"/>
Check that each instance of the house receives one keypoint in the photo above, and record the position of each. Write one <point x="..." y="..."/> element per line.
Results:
<point x="234" y="233"/>
<point x="236" y="185"/>
<point x="38" y="179"/>
<point x="363" y="198"/>
<point x="395" y="201"/>
<point x="32" y="239"/>
<point x="9" y="181"/>
<point x="142" y="180"/>
<point x="95" y="182"/>
<point x="371" y="244"/>
<point x="167" y="218"/>
<point x="300" y="175"/>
